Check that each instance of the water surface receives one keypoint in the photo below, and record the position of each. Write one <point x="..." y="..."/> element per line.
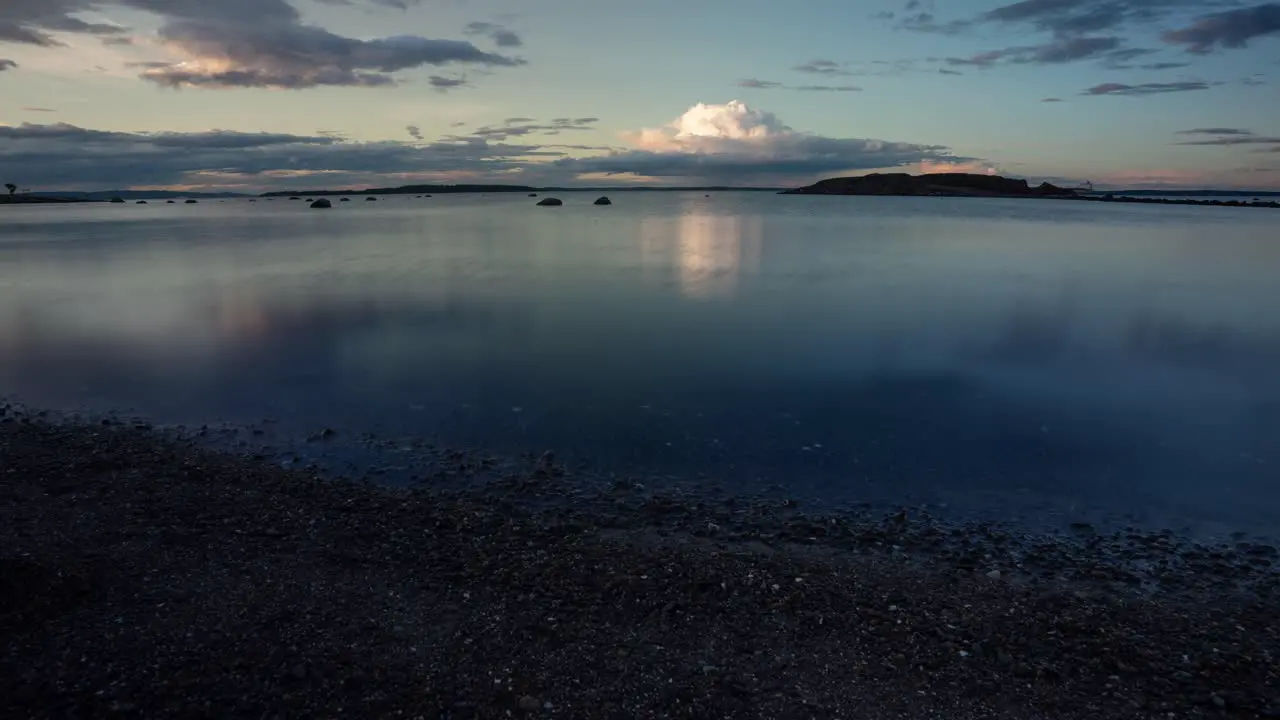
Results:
<point x="1005" y="355"/>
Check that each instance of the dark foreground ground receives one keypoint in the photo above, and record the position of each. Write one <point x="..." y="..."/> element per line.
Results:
<point x="141" y="576"/>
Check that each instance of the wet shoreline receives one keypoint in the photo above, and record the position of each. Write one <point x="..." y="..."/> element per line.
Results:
<point x="147" y="575"/>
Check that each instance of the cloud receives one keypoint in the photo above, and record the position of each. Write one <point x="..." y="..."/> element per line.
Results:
<point x="756" y="84"/>
<point x="1062" y="50"/>
<point x="1095" y="30"/>
<point x="734" y="143"/>
<point x="501" y="36"/>
<point x="1215" y="131"/>
<point x="1226" y="137"/>
<point x="445" y="84"/>
<point x="248" y="43"/>
<point x="7" y="64"/>
<point x="67" y="156"/>
<point x="1228" y="29"/>
<point x="33" y="22"/>
<point x="729" y="144"/>
<point x="38" y="109"/>
<point x="521" y="126"/>
<point x="1052" y="100"/>
<point x="1146" y="88"/>
<point x="822" y="67"/>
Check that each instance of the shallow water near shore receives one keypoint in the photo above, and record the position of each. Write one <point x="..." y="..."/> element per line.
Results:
<point x="1021" y="360"/>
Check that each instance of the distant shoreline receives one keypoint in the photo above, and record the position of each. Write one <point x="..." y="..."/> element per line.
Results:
<point x="1218" y="198"/>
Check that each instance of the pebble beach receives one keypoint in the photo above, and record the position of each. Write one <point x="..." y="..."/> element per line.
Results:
<point x="144" y="574"/>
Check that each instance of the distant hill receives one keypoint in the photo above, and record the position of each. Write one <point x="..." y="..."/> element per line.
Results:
<point x="1190" y="193"/>
<point x="37" y="199"/>
<point x="406" y="190"/>
<point x="103" y="195"/>
<point x="445" y="189"/>
<point x="950" y="184"/>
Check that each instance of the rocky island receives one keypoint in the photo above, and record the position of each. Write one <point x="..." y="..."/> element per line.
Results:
<point x="950" y="184"/>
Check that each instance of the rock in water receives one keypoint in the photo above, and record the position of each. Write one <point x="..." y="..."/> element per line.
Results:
<point x="116" y="201"/>
<point x="371" y="199"/>
<point x="191" y="202"/>
<point x="550" y="202"/>
<point x="603" y="201"/>
<point x="321" y="204"/>
<point x="346" y="199"/>
<point x="169" y="202"/>
<point x="141" y="202"/>
<point x="533" y="194"/>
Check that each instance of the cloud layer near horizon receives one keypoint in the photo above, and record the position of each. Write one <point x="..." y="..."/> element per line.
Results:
<point x="253" y="43"/>
<point x="717" y="144"/>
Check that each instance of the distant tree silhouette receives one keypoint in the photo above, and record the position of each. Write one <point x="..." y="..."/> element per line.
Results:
<point x="11" y="188"/>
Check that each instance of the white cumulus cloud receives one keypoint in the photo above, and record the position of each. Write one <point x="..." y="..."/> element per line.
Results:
<point x="733" y="143"/>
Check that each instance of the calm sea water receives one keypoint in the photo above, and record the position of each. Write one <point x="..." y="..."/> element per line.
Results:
<point x="1009" y="356"/>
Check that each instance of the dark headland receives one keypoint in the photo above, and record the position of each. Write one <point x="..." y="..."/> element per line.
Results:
<point x="995" y="186"/>
<point x="948" y="184"/>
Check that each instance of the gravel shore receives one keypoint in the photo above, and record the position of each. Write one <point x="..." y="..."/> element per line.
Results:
<point x="145" y="575"/>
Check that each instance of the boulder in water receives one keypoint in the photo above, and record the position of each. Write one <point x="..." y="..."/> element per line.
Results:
<point x="550" y="202"/>
<point x="295" y="198"/>
<point x="116" y="201"/>
<point x="191" y="202"/>
<point x="321" y="204"/>
<point x="141" y="202"/>
<point x="169" y="202"/>
<point x="603" y="201"/>
<point x="346" y="200"/>
<point x="371" y="199"/>
<point x="533" y="194"/>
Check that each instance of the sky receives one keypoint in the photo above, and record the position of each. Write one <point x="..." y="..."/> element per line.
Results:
<point x="251" y="95"/>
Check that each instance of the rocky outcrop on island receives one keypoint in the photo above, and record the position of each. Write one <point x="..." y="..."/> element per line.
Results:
<point x="603" y="201"/>
<point x="321" y="204"/>
<point x="951" y="184"/>
<point x="550" y="202"/>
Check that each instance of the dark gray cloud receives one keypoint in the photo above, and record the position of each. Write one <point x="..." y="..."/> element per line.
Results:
<point x="1052" y="100"/>
<point x="445" y="84"/>
<point x="949" y="71"/>
<point x="1228" y="29"/>
<point x="823" y="67"/>
<point x="501" y="36"/>
<point x="1062" y="50"/>
<point x="1075" y="17"/>
<point x="32" y="22"/>
<point x="825" y="88"/>
<point x="249" y="43"/>
<point x="38" y="109"/>
<point x="1215" y="131"/>
<point x="7" y="64"/>
<point x="67" y="156"/>
<point x="1096" y="30"/>
<point x="757" y="84"/>
<point x="1226" y="137"/>
<point x="414" y="132"/>
<point x="520" y="126"/>
<point x="1146" y="88"/>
